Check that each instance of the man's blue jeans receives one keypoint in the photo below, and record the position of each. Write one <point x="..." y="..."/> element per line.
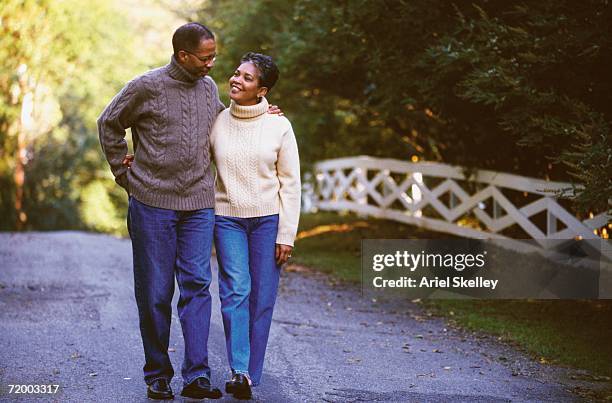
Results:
<point x="248" y="282"/>
<point x="168" y="243"/>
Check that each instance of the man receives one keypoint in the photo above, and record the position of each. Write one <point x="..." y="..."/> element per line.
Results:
<point x="170" y="111"/>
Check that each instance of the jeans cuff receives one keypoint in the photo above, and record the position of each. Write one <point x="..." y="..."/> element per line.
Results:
<point x="193" y="378"/>
<point x="157" y="378"/>
<point x="240" y="372"/>
<point x="245" y="373"/>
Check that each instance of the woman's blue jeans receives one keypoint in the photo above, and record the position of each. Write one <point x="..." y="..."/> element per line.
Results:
<point x="165" y="244"/>
<point x="248" y="282"/>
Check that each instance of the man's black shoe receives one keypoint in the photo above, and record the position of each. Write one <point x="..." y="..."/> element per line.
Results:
<point x="230" y="386"/>
<point x="200" y="389"/>
<point x="239" y="387"/>
<point x="159" y="390"/>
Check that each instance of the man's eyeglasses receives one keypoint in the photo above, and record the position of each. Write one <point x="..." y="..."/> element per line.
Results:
<point x="204" y="60"/>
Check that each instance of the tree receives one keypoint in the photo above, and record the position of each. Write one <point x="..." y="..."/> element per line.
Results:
<point x="450" y="82"/>
<point x="63" y="61"/>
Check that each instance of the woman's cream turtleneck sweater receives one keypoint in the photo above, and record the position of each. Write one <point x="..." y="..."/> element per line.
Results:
<point x="258" y="167"/>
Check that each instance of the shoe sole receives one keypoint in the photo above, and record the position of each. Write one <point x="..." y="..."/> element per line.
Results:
<point x="155" y="396"/>
<point x="216" y="395"/>
<point x="240" y="396"/>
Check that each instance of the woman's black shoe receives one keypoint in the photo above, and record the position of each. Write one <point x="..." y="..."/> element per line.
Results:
<point x="239" y="387"/>
<point x="159" y="390"/>
<point x="200" y="389"/>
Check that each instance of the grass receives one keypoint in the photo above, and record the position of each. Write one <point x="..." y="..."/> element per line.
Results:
<point x="575" y="333"/>
<point x="331" y="242"/>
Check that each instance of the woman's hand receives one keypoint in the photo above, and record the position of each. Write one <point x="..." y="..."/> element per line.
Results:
<point x="283" y="253"/>
<point x="127" y="161"/>
<point x="275" y="110"/>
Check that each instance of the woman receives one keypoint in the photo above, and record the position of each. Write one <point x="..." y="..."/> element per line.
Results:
<point x="257" y="207"/>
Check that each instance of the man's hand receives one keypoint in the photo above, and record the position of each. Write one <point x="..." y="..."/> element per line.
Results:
<point x="275" y="110"/>
<point x="283" y="253"/>
<point x="127" y="161"/>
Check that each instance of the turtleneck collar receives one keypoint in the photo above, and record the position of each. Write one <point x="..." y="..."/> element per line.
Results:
<point x="178" y="72"/>
<point x="250" y="111"/>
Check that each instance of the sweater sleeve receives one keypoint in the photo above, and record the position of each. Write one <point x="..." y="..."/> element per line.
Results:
<point x="288" y="170"/>
<point x="118" y="116"/>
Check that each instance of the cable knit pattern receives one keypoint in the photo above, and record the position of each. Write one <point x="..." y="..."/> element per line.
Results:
<point x="245" y="138"/>
<point x="258" y="168"/>
<point x="157" y="94"/>
<point x="186" y="113"/>
<point x="170" y="113"/>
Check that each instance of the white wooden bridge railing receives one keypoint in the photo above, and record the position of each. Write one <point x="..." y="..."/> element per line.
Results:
<point x="437" y="197"/>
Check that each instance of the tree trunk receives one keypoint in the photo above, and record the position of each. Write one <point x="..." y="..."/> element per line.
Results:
<point x="25" y="122"/>
<point x="20" y="179"/>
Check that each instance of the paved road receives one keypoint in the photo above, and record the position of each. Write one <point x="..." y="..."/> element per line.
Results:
<point x="68" y="317"/>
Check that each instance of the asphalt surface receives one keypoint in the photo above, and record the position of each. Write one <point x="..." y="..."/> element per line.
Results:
<point x="68" y="318"/>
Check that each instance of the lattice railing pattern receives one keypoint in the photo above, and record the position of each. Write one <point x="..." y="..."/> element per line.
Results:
<point x="440" y="197"/>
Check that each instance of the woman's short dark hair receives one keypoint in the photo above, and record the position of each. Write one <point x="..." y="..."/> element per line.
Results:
<point x="188" y="37"/>
<point x="268" y="71"/>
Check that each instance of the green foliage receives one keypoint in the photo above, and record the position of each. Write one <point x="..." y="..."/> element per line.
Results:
<point x="590" y="162"/>
<point x="70" y="57"/>
<point x="98" y="210"/>
<point x="452" y="82"/>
